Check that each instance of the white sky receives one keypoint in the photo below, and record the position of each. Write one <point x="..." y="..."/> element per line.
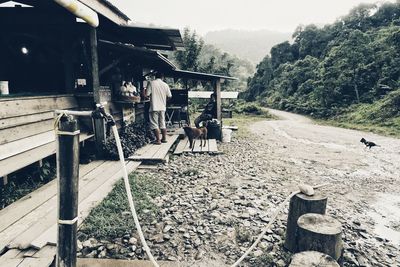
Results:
<point x="208" y="15"/>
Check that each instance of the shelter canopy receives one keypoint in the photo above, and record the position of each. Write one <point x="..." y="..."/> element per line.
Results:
<point x="199" y="76"/>
<point x="142" y="56"/>
<point x="207" y="94"/>
<point x="148" y="37"/>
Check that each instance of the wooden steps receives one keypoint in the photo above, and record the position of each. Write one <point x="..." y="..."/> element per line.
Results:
<point x="210" y="147"/>
<point x="154" y="153"/>
<point x="30" y="232"/>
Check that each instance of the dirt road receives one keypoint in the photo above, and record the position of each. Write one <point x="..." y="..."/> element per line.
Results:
<point x="365" y="184"/>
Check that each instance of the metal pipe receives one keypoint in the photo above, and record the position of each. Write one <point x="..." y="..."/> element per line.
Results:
<point x="73" y="112"/>
<point x="81" y="11"/>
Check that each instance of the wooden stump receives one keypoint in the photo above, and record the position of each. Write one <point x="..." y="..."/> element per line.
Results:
<point x="312" y="259"/>
<point x="301" y="204"/>
<point x="320" y="233"/>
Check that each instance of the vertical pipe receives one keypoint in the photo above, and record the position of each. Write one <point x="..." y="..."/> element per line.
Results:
<point x="217" y="91"/>
<point x="67" y="173"/>
<point x="94" y="65"/>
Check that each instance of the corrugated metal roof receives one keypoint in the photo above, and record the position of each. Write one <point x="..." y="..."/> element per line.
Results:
<point x="198" y="75"/>
<point x="207" y="94"/>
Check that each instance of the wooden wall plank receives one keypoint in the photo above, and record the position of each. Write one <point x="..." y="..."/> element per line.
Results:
<point x="21" y="120"/>
<point x="30" y="106"/>
<point x="24" y="131"/>
<point x="26" y="158"/>
<point x="20" y="146"/>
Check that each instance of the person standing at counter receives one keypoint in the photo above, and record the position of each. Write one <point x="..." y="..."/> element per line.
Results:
<point x="159" y="92"/>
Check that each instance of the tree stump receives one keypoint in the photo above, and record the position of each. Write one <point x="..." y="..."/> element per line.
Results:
<point x="301" y="204"/>
<point x="320" y="233"/>
<point x="312" y="259"/>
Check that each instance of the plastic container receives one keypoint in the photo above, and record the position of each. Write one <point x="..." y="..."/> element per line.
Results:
<point x="226" y="135"/>
<point x="214" y="130"/>
<point x="4" y="88"/>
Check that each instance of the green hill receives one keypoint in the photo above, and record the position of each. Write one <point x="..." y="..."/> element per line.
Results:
<point x="348" y="66"/>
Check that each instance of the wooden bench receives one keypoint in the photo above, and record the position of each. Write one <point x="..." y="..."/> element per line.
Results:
<point x="26" y="129"/>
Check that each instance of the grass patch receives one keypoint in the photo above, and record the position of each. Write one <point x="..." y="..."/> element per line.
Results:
<point x="242" y="121"/>
<point x="112" y="219"/>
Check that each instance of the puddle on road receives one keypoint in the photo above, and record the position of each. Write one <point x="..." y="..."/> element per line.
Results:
<point x="386" y="215"/>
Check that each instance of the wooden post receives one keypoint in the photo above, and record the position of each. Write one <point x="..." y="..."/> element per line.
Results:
<point x="217" y="91"/>
<point x="301" y="204"/>
<point x="321" y="233"/>
<point x="312" y="258"/>
<point x="68" y="179"/>
<point x="94" y="65"/>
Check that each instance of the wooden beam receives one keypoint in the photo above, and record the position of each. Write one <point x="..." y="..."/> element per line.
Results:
<point x="104" y="10"/>
<point x="94" y="62"/>
<point x="110" y="66"/>
<point x="68" y="66"/>
<point x="217" y="91"/>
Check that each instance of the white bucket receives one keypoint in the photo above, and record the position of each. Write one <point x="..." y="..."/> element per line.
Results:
<point x="226" y="135"/>
<point x="4" y="88"/>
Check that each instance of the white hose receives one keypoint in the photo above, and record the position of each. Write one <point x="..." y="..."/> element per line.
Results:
<point x="278" y="210"/>
<point x="130" y="199"/>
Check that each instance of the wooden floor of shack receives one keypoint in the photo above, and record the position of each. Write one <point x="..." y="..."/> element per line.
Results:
<point x="183" y="147"/>
<point x="28" y="227"/>
<point x="154" y="153"/>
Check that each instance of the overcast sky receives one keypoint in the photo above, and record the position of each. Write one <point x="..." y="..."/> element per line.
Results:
<point x="208" y="15"/>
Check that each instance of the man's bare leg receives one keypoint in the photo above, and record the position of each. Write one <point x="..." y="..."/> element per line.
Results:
<point x="157" y="134"/>
<point x="164" y="135"/>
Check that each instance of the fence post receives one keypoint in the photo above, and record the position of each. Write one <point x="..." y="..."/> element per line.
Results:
<point x="68" y="182"/>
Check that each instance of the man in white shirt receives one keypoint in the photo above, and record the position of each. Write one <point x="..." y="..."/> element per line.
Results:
<point x="158" y="91"/>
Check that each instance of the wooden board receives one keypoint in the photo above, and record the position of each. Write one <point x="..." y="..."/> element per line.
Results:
<point x="24" y="131"/>
<point x="181" y="146"/>
<point x="85" y="206"/>
<point x="211" y="147"/>
<point x="46" y="221"/>
<point x="154" y="152"/>
<point x="36" y="262"/>
<point x="26" y="158"/>
<point x="4" y="262"/>
<point x="30" y="219"/>
<point x="17" y="147"/>
<point x="196" y="147"/>
<point x="26" y="106"/>
<point x="17" y="121"/>
<point x="23" y="206"/>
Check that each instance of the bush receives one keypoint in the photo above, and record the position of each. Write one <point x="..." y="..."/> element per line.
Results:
<point x="133" y="136"/>
<point x="249" y="108"/>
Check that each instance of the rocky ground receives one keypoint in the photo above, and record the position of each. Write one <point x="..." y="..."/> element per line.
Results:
<point x="215" y="206"/>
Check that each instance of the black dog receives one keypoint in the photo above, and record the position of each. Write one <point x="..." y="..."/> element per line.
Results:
<point x="367" y="143"/>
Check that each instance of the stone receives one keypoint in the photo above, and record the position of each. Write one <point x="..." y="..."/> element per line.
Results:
<point x="133" y="241"/>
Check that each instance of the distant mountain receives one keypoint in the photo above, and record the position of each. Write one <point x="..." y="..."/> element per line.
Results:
<point x="251" y="45"/>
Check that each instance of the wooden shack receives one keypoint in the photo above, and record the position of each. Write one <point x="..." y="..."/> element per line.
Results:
<point x="52" y="59"/>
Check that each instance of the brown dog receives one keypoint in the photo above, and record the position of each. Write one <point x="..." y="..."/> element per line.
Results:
<point x="194" y="133"/>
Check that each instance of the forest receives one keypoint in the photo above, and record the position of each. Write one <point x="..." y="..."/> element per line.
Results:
<point x="202" y="57"/>
<point x="350" y="66"/>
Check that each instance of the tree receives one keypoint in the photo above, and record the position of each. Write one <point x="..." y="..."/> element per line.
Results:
<point x="188" y="59"/>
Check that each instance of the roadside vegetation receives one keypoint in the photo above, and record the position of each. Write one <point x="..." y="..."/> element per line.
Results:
<point x="244" y="114"/>
<point x="343" y="72"/>
<point x="382" y="116"/>
<point x="112" y="218"/>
